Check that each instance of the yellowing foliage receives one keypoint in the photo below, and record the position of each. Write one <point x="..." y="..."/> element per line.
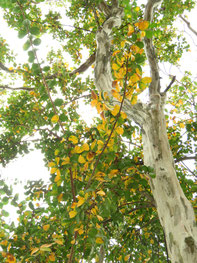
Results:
<point x="73" y="139"/>
<point x="72" y="214"/>
<point x="46" y="227"/>
<point x="116" y="110"/>
<point x="99" y="240"/>
<point x="55" y="119"/>
<point x="130" y="30"/>
<point x="142" y="25"/>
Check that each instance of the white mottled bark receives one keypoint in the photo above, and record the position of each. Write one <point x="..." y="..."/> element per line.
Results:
<point x="174" y="210"/>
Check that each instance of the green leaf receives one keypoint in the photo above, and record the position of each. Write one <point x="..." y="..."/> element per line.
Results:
<point x="58" y="102"/>
<point x="5" y="200"/>
<point x="34" y="30"/>
<point x="5" y="213"/>
<point x="37" y="41"/>
<point x="31" y="56"/>
<point x="22" y="33"/>
<point x="27" y="45"/>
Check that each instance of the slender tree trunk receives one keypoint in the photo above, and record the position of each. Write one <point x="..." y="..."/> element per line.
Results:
<point x="174" y="210"/>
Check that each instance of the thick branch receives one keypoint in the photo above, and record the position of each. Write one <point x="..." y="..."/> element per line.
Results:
<point x="103" y="75"/>
<point x="188" y="24"/>
<point x="150" y="51"/>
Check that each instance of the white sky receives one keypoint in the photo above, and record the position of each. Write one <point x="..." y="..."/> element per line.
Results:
<point x="31" y="166"/>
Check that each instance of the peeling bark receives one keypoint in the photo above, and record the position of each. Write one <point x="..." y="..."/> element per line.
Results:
<point x="174" y="210"/>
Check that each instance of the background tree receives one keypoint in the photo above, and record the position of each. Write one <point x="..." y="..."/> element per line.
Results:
<point x="118" y="189"/>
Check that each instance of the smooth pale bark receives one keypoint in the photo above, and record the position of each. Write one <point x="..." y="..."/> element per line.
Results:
<point x="174" y="210"/>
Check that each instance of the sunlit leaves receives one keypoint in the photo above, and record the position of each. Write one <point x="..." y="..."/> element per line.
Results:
<point x="99" y="240"/>
<point x="72" y="214"/>
<point x="46" y="227"/>
<point x="142" y="25"/>
<point x="55" y="119"/>
<point x="73" y="139"/>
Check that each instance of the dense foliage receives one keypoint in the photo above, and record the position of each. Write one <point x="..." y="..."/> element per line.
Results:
<point x="98" y="197"/>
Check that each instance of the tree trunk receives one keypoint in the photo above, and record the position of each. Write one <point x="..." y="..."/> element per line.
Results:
<point x="174" y="210"/>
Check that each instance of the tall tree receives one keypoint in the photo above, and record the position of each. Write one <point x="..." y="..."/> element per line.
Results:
<point x="119" y="189"/>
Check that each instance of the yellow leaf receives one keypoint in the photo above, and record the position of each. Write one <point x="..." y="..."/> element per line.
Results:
<point x="53" y="170"/>
<point x="34" y="250"/>
<point x="72" y="214"/>
<point x="52" y="257"/>
<point x="85" y="147"/>
<point x="116" y="110"/>
<point x="57" y="179"/>
<point x="46" y="227"/>
<point x="123" y="43"/>
<point x="130" y="30"/>
<point x="182" y="125"/>
<point x="55" y="119"/>
<point x="134" y="100"/>
<point x="51" y="164"/>
<point x="80" y="231"/>
<point x="81" y="159"/>
<point x="56" y="152"/>
<point x="57" y="159"/>
<point x="126" y="258"/>
<point x="146" y="80"/>
<point x="80" y="202"/>
<point x="73" y="139"/>
<point x="99" y="218"/>
<point x="115" y="66"/>
<point x="101" y="193"/>
<point x="99" y="240"/>
<point x="152" y="241"/>
<point x="123" y="115"/>
<point x="142" y="34"/>
<point x="73" y="242"/>
<point x="11" y="68"/>
<point x="143" y="25"/>
<point x="60" y="197"/>
<point x="59" y="242"/>
<point x="119" y="130"/>
<point x="66" y="160"/>
<point x="90" y="156"/>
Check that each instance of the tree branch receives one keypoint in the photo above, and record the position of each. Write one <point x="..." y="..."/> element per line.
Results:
<point x="186" y="158"/>
<point x="150" y="50"/>
<point x="188" y="25"/>
<point x="19" y="88"/>
<point x="102" y="71"/>
<point x="5" y="68"/>
<point x="169" y="86"/>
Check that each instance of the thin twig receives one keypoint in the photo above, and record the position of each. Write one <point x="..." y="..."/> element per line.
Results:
<point x="188" y="24"/>
<point x="19" y="88"/>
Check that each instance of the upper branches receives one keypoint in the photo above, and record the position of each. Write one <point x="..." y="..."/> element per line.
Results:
<point x="150" y="51"/>
<point x="103" y="75"/>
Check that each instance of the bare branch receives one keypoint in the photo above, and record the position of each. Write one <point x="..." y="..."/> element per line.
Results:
<point x="186" y="158"/>
<point x="85" y="65"/>
<point x="19" y="88"/>
<point x="188" y="25"/>
<point x="150" y="50"/>
<point x="169" y="86"/>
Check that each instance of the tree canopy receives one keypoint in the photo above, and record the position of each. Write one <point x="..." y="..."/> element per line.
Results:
<point x="98" y="205"/>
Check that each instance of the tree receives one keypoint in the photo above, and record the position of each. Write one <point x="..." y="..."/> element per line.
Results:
<point x="119" y="189"/>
